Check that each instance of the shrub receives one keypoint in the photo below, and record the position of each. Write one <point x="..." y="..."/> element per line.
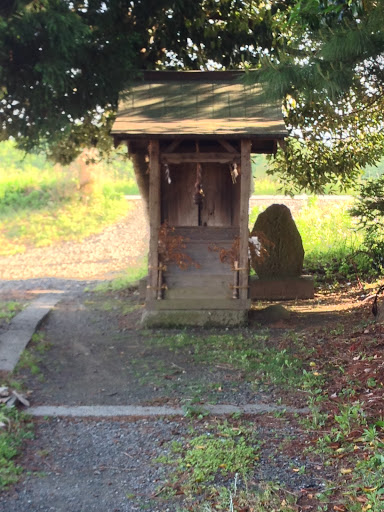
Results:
<point x="369" y="209"/>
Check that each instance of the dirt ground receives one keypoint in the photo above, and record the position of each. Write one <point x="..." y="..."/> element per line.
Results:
<point x="97" y="354"/>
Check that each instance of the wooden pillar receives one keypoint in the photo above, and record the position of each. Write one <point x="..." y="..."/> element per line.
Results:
<point x="154" y="219"/>
<point x="245" y="187"/>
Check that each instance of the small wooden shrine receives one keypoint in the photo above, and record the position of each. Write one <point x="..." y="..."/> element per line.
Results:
<point x="197" y="130"/>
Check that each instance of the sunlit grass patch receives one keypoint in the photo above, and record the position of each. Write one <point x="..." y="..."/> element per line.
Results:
<point x="129" y="277"/>
<point x="328" y="232"/>
<point x="71" y="220"/>
<point x="42" y="204"/>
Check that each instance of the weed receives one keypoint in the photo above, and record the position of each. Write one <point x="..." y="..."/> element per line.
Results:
<point x="280" y="414"/>
<point x="339" y="329"/>
<point x="371" y="382"/>
<point x="195" y="411"/>
<point x="350" y="417"/>
<point x="30" y="361"/>
<point x="265" y="498"/>
<point x="226" y="450"/>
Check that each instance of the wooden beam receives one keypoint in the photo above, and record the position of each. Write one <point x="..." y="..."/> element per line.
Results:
<point x="226" y="145"/>
<point x="179" y="158"/>
<point x="173" y="145"/>
<point x="154" y="219"/>
<point x="245" y="188"/>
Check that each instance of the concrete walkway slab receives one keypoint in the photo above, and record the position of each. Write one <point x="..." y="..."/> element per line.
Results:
<point x="108" y="411"/>
<point x="22" y="328"/>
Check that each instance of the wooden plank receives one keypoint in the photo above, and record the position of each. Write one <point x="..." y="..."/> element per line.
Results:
<point x="203" y="304"/>
<point x="217" y="205"/>
<point x="154" y="220"/>
<point x="214" y="291"/>
<point x="245" y="188"/>
<point x="197" y="280"/>
<point x="178" y="207"/>
<point x="180" y="158"/>
<point x="212" y="234"/>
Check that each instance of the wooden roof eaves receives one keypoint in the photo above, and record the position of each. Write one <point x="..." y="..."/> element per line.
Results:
<point x="228" y="136"/>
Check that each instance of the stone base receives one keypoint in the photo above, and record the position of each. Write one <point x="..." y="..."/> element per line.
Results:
<point x="194" y="318"/>
<point x="286" y="288"/>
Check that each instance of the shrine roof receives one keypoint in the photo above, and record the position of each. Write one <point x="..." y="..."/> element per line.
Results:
<point x="196" y="103"/>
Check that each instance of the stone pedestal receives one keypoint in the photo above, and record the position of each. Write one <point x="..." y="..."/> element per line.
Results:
<point x="283" y="288"/>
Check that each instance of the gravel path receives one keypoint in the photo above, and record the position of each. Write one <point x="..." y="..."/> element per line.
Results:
<point x="94" y="466"/>
<point x="111" y="466"/>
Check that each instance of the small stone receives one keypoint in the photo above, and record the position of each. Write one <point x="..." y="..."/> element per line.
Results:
<point x="274" y="313"/>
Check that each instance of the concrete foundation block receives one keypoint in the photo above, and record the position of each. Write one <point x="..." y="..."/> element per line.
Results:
<point x="287" y="288"/>
<point x="194" y="318"/>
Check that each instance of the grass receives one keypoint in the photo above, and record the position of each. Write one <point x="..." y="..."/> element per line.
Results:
<point x="68" y="220"/>
<point x="203" y="460"/>
<point x="130" y="277"/>
<point x="344" y="438"/>
<point x="327" y="235"/>
<point x="268" y="497"/>
<point x="250" y="353"/>
<point x="9" y="309"/>
<point x="16" y="429"/>
<point x="31" y="357"/>
<point x="267" y="184"/>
